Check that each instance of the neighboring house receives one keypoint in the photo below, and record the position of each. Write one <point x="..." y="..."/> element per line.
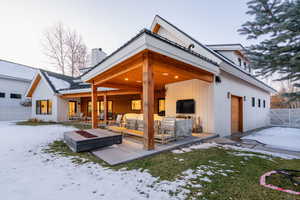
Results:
<point x="14" y="82"/>
<point x="163" y="71"/>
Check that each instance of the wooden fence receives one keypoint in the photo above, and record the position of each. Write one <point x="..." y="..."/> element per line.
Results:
<point x="285" y="117"/>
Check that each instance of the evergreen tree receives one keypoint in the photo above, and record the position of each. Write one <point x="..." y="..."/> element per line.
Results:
<point x="276" y="24"/>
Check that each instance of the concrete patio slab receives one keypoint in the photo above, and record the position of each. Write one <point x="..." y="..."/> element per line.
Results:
<point x="132" y="149"/>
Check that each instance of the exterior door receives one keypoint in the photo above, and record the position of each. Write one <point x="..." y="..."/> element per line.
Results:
<point x="236" y="114"/>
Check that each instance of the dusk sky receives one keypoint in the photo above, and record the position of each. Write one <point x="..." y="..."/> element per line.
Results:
<point x="109" y="24"/>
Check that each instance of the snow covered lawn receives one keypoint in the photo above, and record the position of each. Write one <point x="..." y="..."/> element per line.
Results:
<point x="28" y="173"/>
<point x="283" y="138"/>
<point x="200" y="171"/>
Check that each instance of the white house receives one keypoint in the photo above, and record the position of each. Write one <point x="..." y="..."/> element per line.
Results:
<point x="14" y="82"/>
<point x="163" y="71"/>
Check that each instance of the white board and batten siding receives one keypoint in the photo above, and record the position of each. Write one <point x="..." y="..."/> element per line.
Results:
<point x="201" y="92"/>
<point x="59" y="105"/>
<point x="253" y="117"/>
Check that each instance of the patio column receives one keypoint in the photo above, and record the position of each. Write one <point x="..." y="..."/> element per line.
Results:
<point x="105" y="108"/>
<point x="148" y="102"/>
<point x="141" y="102"/>
<point x="94" y="106"/>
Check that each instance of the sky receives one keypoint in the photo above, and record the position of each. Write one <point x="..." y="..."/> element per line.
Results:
<point x="109" y="24"/>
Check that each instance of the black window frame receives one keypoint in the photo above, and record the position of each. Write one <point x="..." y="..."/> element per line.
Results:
<point x="15" y="96"/>
<point x="259" y="103"/>
<point x="38" y="107"/>
<point x="253" y="101"/>
<point x="2" y="94"/>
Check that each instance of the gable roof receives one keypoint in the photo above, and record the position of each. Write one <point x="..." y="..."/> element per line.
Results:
<point x="152" y="34"/>
<point x="18" y="71"/>
<point x="158" y="20"/>
<point x="59" y="83"/>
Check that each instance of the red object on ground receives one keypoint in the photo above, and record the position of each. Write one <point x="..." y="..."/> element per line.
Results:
<point x="263" y="183"/>
<point x="86" y="134"/>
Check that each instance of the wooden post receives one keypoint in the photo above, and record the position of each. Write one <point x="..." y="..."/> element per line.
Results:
<point x="94" y="107"/>
<point x="141" y="101"/>
<point x="105" y="108"/>
<point x="148" y="102"/>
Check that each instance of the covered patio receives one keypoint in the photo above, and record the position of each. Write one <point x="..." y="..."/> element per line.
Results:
<point x="142" y="66"/>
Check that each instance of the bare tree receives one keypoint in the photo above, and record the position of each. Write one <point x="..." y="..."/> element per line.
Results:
<point x="77" y="52"/>
<point x="65" y="49"/>
<point x="54" y="46"/>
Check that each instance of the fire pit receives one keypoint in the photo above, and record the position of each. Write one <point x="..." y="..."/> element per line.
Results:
<point x="85" y="134"/>
<point x="86" y="140"/>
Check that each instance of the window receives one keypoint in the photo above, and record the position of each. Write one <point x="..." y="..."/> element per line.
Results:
<point x="2" y="95"/>
<point x="100" y="106"/>
<point x="253" y="102"/>
<point x="136" y="104"/>
<point x="259" y="103"/>
<point x="264" y="103"/>
<point x="89" y="108"/>
<point x="240" y="61"/>
<point x="15" y="96"/>
<point x="161" y="107"/>
<point x="43" y="107"/>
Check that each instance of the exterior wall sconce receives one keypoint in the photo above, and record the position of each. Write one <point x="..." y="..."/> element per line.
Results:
<point x="228" y="95"/>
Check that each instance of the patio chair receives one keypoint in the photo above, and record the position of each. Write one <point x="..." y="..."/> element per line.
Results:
<point x="131" y="124"/>
<point x="117" y="122"/>
<point x="101" y="116"/>
<point x="167" y="130"/>
<point x="77" y="116"/>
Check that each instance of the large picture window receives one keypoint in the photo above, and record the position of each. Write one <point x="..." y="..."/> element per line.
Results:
<point x="109" y="106"/>
<point x="136" y="105"/>
<point x="43" y="107"/>
<point x="100" y="107"/>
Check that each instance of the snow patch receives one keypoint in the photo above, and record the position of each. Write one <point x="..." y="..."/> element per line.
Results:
<point x="284" y="138"/>
<point x="58" y="83"/>
<point x="279" y="155"/>
<point x="16" y="70"/>
<point x="194" y="147"/>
